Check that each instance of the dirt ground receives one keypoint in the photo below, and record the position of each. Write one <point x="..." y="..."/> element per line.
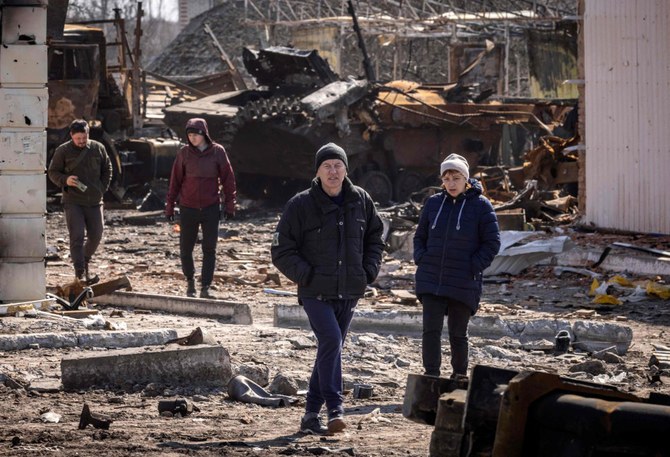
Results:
<point x="148" y="253"/>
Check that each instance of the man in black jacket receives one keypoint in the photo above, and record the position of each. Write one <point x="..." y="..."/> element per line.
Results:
<point x="329" y="242"/>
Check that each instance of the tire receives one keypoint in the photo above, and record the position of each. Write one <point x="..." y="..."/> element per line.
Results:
<point x="407" y="183"/>
<point x="378" y="185"/>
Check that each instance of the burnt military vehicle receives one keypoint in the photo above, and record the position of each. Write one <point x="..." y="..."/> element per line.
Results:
<point x="395" y="134"/>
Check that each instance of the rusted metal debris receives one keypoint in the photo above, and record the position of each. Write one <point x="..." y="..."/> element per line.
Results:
<point x="522" y="414"/>
<point x="396" y="134"/>
<point x="96" y="420"/>
<point x="197" y="336"/>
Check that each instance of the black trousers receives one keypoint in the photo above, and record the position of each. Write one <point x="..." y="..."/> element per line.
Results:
<point x="458" y="316"/>
<point x="190" y="220"/>
<point x="84" y="225"/>
<point x="330" y="322"/>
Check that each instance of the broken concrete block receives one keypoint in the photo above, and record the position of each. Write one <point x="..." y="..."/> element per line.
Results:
<point x="544" y="328"/>
<point x="283" y="385"/>
<point x="106" y="339"/>
<point x="538" y="345"/>
<point x="592" y="367"/>
<point x="125" y="339"/>
<point x="608" y="355"/>
<point x="44" y="340"/>
<point x="258" y="373"/>
<point x="501" y="353"/>
<point x="193" y="365"/>
<point x="595" y="336"/>
<point x="364" y="319"/>
<point x="302" y="342"/>
<point x="489" y="327"/>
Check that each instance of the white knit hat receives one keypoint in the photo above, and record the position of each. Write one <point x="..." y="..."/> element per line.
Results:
<point x="455" y="162"/>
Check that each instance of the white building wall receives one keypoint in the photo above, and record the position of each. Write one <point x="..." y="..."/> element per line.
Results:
<point x="23" y="120"/>
<point x="627" y="114"/>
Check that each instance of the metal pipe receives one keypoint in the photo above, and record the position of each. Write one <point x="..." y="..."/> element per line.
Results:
<point x="596" y="420"/>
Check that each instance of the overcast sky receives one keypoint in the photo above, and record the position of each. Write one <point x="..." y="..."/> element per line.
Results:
<point x="168" y="10"/>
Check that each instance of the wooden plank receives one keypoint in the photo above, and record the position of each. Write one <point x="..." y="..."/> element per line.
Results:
<point x="76" y="314"/>
<point x="13" y="308"/>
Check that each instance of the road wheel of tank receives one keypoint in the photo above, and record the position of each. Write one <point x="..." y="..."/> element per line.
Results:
<point x="407" y="183"/>
<point x="378" y="185"/>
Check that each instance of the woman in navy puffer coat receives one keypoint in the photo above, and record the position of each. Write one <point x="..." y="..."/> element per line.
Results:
<point x="455" y="241"/>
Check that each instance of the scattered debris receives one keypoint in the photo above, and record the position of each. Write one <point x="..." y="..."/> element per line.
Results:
<point x="513" y="259"/>
<point x="280" y="292"/>
<point x="660" y="357"/>
<point x="197" y="336"/>
<point x="244" y="389"/>
<point x="510" y="413"/>
<point x="96" y="420"/>
<point x="363" y="391"/>
<point x="180" y="407"/>
<point x="50" y="417"/>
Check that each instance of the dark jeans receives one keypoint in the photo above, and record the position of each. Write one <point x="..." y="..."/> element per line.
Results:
<point x="190" y="220"/>
<point x="330" y="322"/>
<point x="434" y="310"/>
<point x="83" y="222"/>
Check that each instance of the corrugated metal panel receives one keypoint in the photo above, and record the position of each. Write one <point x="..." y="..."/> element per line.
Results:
<point x="627" y="71"/>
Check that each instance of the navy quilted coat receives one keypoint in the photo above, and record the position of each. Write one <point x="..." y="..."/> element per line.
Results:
<point x="455" y="241"/>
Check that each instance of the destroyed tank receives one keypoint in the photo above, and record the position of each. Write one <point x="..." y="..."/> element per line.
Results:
<point x="395" y="134"/>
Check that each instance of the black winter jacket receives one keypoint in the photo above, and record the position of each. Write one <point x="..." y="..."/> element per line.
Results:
<point x="455" y="241"/>
<point x="331" y="251"/>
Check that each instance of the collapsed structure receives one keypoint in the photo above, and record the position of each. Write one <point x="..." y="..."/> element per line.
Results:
<point x="396" y="134"/>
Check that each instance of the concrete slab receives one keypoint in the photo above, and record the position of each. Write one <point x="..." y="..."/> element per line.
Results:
<point x="364" y="319"/>
<point x="230" y="312"/>
<point x="106" y="339"/>
<point x="585" y="335"/>
<point x="205" y="365"/>
<point x="621" y="261"/>
<point x="45" y="385"/>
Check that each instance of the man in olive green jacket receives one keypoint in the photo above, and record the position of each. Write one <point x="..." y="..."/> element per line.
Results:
<point x="81" y="167"/>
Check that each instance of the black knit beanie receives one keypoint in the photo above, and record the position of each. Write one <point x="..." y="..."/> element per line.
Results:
<point x="330" y="151"/>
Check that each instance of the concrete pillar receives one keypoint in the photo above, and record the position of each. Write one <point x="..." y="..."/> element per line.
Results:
<point x="23" y="120"/>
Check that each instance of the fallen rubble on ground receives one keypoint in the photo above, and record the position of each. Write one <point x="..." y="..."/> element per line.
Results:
<point x="516" y="329"/>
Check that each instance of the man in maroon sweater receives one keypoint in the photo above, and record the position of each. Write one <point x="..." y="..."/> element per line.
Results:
<point x="199" y="171"/>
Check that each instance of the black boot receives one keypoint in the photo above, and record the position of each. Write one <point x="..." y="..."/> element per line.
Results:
<point x="79" y="274"/>
<point x="190" y="287"/>
<point x="90" y="280"/>
<point x="204" y="293"/>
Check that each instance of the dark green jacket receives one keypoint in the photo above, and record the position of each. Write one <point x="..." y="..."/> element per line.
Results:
<point x="94" y="170"/>
<point x="331" y="251"/>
